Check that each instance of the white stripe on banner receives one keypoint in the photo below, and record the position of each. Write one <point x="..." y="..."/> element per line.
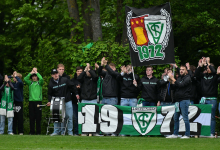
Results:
<point x="203" y="119"/>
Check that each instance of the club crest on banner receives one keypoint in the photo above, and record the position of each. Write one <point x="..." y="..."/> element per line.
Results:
<point x="144" y="119"/>
<point x="149" y="34"/>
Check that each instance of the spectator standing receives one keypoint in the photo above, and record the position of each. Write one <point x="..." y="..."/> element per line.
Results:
<point x="35" y="82"/>
<point x="62" y="87"/>
<point x="6" y="108"/>
<point x="209" y="87"/>
<point x="76" y="99"/>
<point x="18" y="103"/>
<point x="182" y="88"/>
<point x="150" y="89"/>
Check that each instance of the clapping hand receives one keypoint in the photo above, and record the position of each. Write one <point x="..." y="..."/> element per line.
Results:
<point x="35" y="70"/>
<point x="218" y="70"/>
<point x="200" y="64"/>
<point x="208" y="60"/>
<point x="123" y="69"/>
<point x="188" y="66"/>
<point x="96" y="66"/>
<point x="6" y="78"/>
<point x="88" y="66"/>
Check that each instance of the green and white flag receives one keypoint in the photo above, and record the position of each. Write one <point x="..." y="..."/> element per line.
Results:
<point x="96" y="118"/>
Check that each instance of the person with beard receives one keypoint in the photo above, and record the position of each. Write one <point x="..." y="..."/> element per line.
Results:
<point x="62" y="87"/>
<point x="76" y="98"/>
<point x="150" y="89"/>
<point x="209" y="87"/>
<point x="35" y="98"/>
<point x="182" y="88"/>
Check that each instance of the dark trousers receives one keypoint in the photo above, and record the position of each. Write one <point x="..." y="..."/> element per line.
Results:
<point x="18" y="118"/>
<point x="35" y="114"/>
<point x="75" y="118"/>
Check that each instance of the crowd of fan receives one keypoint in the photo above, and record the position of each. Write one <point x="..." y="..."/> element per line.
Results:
<point x="106" y="85"/>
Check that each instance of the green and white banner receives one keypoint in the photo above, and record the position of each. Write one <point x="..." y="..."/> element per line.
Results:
<point x="96" y="118"/>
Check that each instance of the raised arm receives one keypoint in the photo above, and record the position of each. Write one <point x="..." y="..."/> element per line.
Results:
<point x="93" y="75"/>
<point x="80" y="78"/>
<point x="111" y="72"/>
<point x="27" y="79"/>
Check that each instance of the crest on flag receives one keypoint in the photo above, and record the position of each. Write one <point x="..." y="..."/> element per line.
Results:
<point x="144" y="119"/>
<point x="149" y="34"/>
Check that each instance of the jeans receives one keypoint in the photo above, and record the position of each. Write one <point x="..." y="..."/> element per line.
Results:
<point x="214" y="107"/>
<point x="166" y="103"/>
<point x="2" y="124"/>
<point x="128" y="102"/>
<point x="94" y="101"/>
<point x="69" y="115"/>
<point x="184" y="107"/>
<point x="75" y="118"/>
<point x="110" y="101"/>
<point x="145" y="103"/>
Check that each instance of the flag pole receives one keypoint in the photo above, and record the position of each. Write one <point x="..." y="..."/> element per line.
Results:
<point x="173" y="70"/>
<point x="133" y="73"/>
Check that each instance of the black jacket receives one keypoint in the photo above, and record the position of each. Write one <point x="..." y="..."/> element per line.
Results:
<point x="209" y="82"/>
<point x="193" y="92"/>
<point x="63" y="88"/>
<point x="164" y="95"/>
<point x="110" y="83"/>
<point x="150" y="89"/>
<point x="182" y="88"/>
<point x="77" y="90"/>
<point x="66" y="76"/>
<point x="127" y="88"/>
<point x="88" y="85"/>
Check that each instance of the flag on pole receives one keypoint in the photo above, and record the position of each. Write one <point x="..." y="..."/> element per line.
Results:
<point x="150" y="35"/>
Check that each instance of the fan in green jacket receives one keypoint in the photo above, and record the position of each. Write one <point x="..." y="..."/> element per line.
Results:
<point x="35" y="98"/>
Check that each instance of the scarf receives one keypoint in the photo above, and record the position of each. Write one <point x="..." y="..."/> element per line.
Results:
<point x="7" y="100"/>
<point x="202" y="101"/>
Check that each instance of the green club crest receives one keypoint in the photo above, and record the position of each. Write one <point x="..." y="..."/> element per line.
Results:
<point x="3" y="103"/>
<point x="144" y="119"/>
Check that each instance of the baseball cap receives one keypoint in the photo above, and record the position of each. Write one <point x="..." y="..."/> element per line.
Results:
<point x="54" y="71"/>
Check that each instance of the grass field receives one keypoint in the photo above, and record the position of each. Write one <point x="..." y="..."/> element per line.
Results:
<point x="70" y="142"/>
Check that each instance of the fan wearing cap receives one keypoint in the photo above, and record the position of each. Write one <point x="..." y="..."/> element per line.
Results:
<point x="35" y="82"/>
<point x="60" y="86"/>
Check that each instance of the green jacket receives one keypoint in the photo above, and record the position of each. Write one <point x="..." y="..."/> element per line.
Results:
<point x="35" y="87"/>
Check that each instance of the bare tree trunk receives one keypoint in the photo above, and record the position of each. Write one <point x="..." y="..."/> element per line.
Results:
<point x="119" y="21"/>
<point x="96" y="20"/>
<point x="124" y="34"/>
<point x="87" y="16"/>
<point x="74" y="13"/>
